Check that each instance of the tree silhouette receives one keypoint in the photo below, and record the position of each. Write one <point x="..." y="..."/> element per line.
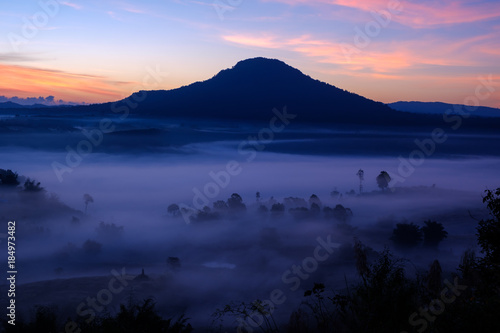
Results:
<point x="32" y="186"/>
<point x="341" y="213"/>
<point x="383" y="180"/>
<point x="434" y="279"/>
<point x="381" y="303"/>
<point x="8" y="177"/>
<point x="220" y="205"/>
<point x="361" y="176"/>
<point x="278" y="209"/>
<point x="174" y="210"/>
<point x="488" y="231"/>
<point x="174" y="263"/>
<point x="433" y="233"/>
<point x="235" y="202"/>
<point x="91" y="247"/>
<point x="314" y="199"/>
<point x="406" y="236"/>
<point x="87" y="199"/>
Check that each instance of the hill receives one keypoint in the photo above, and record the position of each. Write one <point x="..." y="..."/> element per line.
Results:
<point x="439" y="108"/>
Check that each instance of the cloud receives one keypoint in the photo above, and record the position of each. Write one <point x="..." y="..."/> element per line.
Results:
<point x="16" y="57"/>
<point x="26" y="81"/>
<point x="421" y="14"/>
<point x="257" y="41"/>
<point x="382" y="56"/>
<point x="72" y="5"/>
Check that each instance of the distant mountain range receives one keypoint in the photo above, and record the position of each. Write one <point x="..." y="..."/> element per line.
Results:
<point x="12" y="105"/>
<point x="441" y="108"/>
<point x="251" y="89"/>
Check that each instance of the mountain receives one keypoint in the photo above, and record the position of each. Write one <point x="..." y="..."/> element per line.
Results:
<point x="253" y="87"/>
<point x="12" y="105"/>
<point x="440" y="108"/>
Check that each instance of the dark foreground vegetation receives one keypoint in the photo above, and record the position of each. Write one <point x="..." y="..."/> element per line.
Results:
<point x="384" y="299"/>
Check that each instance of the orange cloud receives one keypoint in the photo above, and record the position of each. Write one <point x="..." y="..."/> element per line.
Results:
<point x="27" y="81"/>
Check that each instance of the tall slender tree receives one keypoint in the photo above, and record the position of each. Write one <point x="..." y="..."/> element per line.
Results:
<point x="361" y="176"/>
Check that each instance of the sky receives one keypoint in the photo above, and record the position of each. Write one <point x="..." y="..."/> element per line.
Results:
<point x="387" y="50"/>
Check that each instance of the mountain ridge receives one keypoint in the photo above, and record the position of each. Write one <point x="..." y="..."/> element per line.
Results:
<point x="253" y="87"/>
<point x="440" y="108"/>
<point x="250" y="91"/>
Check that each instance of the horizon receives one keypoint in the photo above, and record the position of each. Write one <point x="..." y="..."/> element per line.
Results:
<point x="387" y="51"/>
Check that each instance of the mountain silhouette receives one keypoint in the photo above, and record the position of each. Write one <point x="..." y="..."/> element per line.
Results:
<point x="442" y="108"/>
<point x="253" y="87"/>
<point x="12" y="105"/>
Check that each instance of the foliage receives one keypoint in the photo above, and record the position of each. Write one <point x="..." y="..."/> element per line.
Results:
<point x="235" y="202"/>
<point x="247" y="315"/>
<point x="433" y="233"/>
<point x="91" y="247"/>
<point x="109" y="229"/>
<point x="30" y="185"/>
<point x="406" y="236"/>
<point x="8" y="177"/>
<point x="174" y="210"/>
<point x="383" y="180"/>
<point x="488" y="231"/>
<point x="341" y="213"/>
<point x="87" y="198"/>
<point x="277" y="208"/>
<point x="133" y="318"/>
<point x="313" y="199"/>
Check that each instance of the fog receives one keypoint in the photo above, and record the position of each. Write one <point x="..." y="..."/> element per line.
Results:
<point x="234" y="255"/>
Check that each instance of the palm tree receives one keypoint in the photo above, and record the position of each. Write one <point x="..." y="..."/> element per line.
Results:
<point x="87" y="199"/>
<point x="361" y="176"/>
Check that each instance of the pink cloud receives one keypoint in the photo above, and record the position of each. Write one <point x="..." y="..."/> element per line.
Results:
<point x="72" y="5"/>
<point x="415" y="14"/>
<point x="382" y="56"/>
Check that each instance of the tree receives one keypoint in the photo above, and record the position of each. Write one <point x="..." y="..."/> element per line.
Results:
<point x="174" y="210"/>
<point x="87" y="199"/>
<point x="434" y="279"/>
<point x="8" y="177"/>
<point x="235" y="202"/>
<point x="336" y="194"/>
<point x="406" y="236"/>
<point x="381" y="303"/>
<point x="109" y="230"/>
<point x="488" y="231"/>
<point x="433" y="233"/>
<point x="220" y="205"/>
<point x="341" y="213"/>
<point x="32" y="186"/>
<point x="314" y="199"/>
<point x="361" y="176"/>
<point x="91" y="247"/>
<point x="174" y="263"/>
<point x="383" y="180"/>
<point x="278" y="209"/>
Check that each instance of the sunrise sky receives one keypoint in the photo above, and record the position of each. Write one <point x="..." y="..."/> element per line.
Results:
<point x="387" y="50"/>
